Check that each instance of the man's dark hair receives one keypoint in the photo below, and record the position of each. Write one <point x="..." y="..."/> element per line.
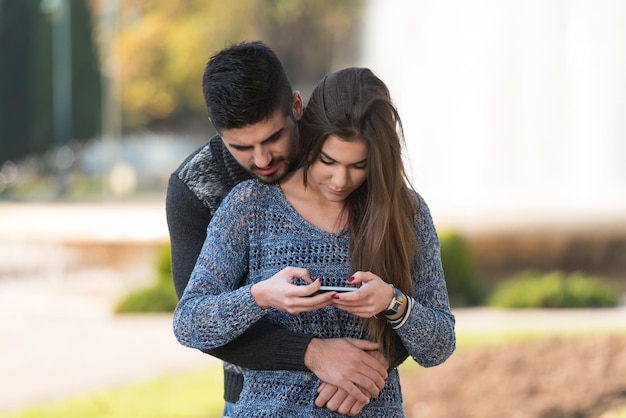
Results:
<point x="244" y="84"/>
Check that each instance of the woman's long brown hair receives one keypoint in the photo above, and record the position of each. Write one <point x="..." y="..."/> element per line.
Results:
<point x="354" y="104"/>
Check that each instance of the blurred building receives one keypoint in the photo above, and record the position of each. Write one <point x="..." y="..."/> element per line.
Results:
<point x="514" y="118"/>
<point x="513" y="111"/>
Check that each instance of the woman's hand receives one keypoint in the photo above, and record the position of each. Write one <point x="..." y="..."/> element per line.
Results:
<point x="279" y="292"/>
<point x="372" y="298"/>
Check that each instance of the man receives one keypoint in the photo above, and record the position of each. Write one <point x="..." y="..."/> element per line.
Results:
<point x="254" y="110"/>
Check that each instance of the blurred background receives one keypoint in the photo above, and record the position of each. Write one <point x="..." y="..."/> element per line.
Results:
<point x="513" y="112"/>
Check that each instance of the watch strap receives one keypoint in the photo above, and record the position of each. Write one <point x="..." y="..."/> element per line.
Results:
<point x="396" y="302"/>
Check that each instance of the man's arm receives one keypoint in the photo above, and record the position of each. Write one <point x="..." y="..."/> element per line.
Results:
<point x="264" y="346"/>
<point x="187" y="220"/>
<point x="398" y="354"/>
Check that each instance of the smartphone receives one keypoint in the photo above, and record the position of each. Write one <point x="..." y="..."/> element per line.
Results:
<point x="337" y="289"/>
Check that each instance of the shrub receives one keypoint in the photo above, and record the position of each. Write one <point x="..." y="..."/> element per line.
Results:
<point x="532" y="289"/>
<point x="159" y="297"/>
<point x="156" y="298"/>
<point x="164" y="262"/>
<point x="458" y="268"/>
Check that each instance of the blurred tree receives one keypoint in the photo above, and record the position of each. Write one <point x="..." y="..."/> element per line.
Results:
<point x="164" y="45"/>
<point x="313" y="37"/>
<point x="26" y="104"/>
<point x="16" y="33"/>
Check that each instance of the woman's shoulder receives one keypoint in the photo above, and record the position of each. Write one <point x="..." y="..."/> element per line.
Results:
<point x="254" y="186"/>
<point x="244" y="202"/>
<point x="252" y="192"/>
<point x="422" y="211"/>
<point x="418" y="200"/>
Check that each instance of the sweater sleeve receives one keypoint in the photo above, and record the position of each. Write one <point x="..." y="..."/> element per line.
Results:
<point x="428" y="333"/>
<point x="214" y="309"/>
<point x="265" y="346"/>
<point x="187" y="220"/>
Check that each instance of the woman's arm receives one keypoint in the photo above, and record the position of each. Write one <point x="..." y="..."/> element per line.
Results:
<point x="428" y="334"/>
<point x="213" y="309"/>
<point x="427" y="330"/>
<point x="187" y="220"/>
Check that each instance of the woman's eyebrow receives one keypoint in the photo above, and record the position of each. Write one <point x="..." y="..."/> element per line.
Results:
<point x="331" y="158"/>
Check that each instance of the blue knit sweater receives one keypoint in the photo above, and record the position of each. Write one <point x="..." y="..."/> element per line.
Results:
<point x="256" y="233"/>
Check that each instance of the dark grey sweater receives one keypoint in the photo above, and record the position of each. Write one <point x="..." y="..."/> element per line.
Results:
<point x="194" y="192"/>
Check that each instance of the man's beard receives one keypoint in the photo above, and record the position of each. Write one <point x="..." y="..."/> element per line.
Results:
<point x="276" y="176"/>
<point x="286" y="165"/>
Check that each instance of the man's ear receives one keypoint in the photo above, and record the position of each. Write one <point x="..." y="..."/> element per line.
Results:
<point x="297" y="105"/>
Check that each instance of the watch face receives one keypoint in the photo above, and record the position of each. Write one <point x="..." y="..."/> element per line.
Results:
<point x="394" y="309"/>
<point x="397" y="301"/>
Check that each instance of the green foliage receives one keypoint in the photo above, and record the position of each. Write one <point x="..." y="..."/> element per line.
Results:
<point x="161" y="75"/>
<point x="458" y="267"/>
<point x="193" y="394"/>
<point x="159" y="297"/>
<point x="154" y="78"/>
<point x="164" y="263"/>
<point x="532" y="289"/>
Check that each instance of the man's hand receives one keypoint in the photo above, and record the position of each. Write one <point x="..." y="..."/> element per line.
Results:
<point x="337" y="400"/>
<point x="350" y="369"/>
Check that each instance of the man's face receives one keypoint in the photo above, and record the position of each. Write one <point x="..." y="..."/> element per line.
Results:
<point x="267" y="148"/>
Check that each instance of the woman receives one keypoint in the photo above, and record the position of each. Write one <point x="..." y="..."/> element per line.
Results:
<point x="346" y="217"/>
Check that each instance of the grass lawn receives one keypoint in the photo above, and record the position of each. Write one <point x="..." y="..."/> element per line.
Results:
<point x="195" y="394"/>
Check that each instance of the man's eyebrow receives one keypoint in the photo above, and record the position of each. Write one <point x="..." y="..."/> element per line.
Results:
<point x="274" y="136"/>
<point x="364" y="160"/>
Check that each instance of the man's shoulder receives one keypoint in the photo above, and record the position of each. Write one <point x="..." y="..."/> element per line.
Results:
<point x="210" y="172"/>
<point x="210" y="157"/>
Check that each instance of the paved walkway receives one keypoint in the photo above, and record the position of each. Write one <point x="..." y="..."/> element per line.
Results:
<point x="62" y="267"/>
<point x="55" y="345"/>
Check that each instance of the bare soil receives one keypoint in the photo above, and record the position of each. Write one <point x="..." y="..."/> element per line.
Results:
<point x="555" y="377"/>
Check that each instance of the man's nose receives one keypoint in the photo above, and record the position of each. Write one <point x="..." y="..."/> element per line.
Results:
<point x="262" y="157"/>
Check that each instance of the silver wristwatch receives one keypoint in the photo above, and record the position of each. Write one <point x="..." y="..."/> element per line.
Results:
<point x="396" y="303"/>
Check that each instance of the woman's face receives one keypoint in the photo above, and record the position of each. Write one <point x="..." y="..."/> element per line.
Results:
<point x="340" y="168"/>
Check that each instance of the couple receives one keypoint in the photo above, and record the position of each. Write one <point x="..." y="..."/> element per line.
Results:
<point x="344" y="217"/>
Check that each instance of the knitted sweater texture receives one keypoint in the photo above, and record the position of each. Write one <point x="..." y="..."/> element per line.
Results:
<point x="256" y="233"/>
<point x="195" y="191"/>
